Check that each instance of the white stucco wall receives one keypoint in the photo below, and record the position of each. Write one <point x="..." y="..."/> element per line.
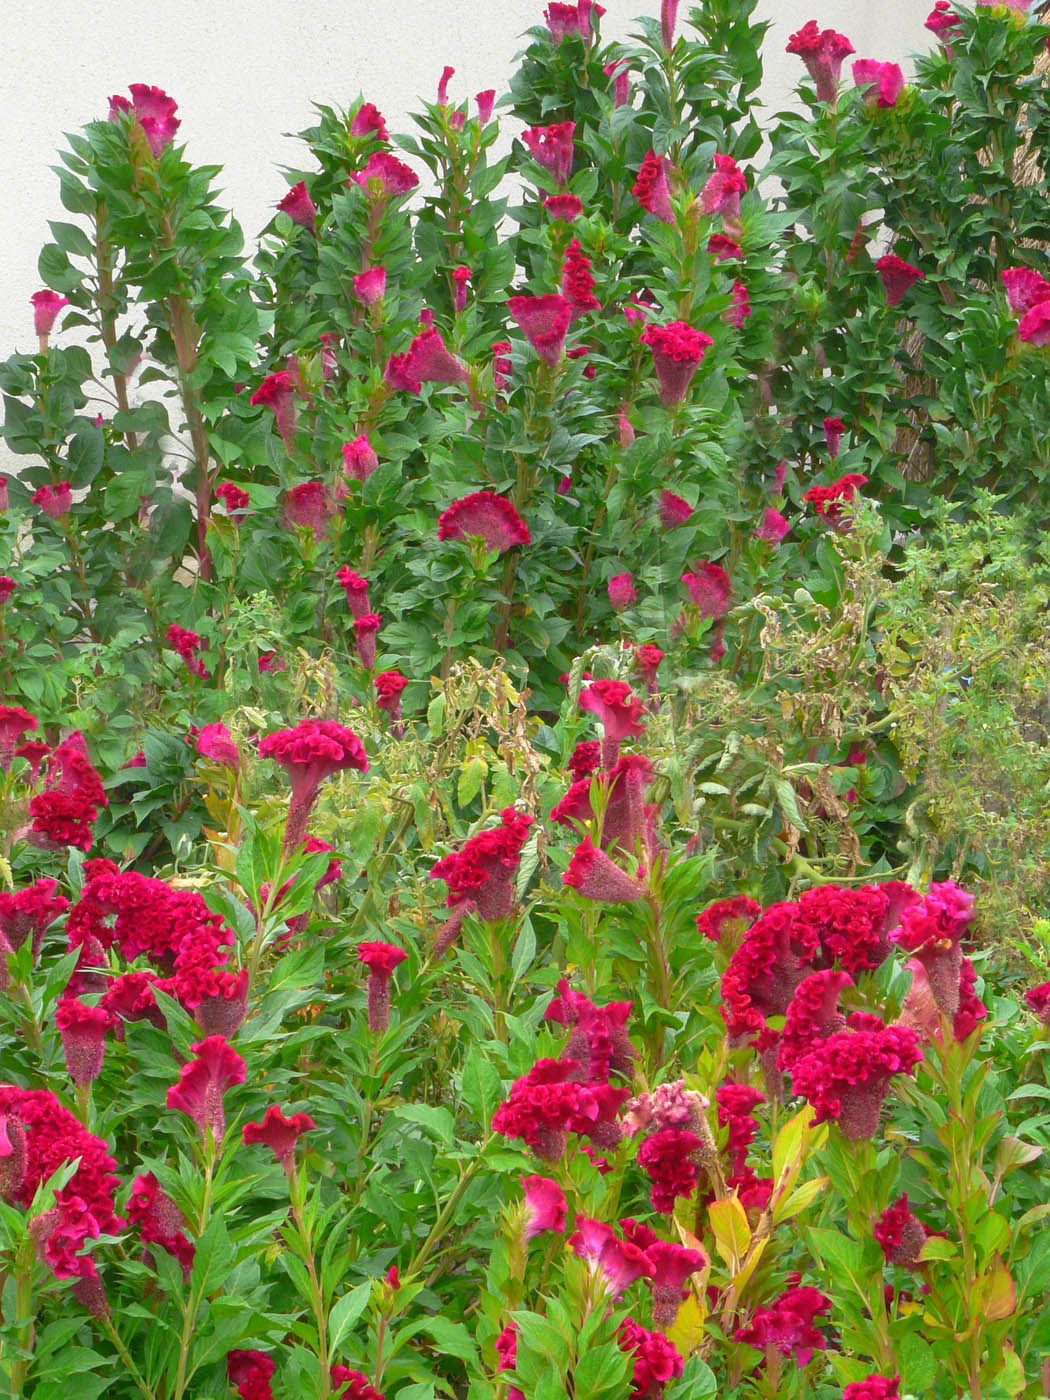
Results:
<point x="244" y="72"/>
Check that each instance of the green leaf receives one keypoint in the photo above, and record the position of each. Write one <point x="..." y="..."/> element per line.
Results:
<point x="438" y="1122"/>
<point x="346" y="1312"/>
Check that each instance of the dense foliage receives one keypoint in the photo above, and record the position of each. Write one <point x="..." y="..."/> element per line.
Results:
<point x="510" y="691"/>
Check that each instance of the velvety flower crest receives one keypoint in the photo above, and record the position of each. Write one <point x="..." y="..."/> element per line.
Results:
<point x="486" y="516"/>
<point x="677" y="350"/>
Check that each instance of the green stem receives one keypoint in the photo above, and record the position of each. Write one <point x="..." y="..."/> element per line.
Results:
<point x="24" y="1319"/>
<point x="125" y="1356"/>
<point x="317" y="1302"/>
<point x="191" y="1305"/>
<point x="445" y="1215"/>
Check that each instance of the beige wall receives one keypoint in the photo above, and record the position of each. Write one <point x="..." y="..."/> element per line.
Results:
<point x="245" y="73"/>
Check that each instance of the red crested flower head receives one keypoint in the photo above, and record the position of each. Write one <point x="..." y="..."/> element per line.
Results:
<point x="544" y="1105"/>
<point x="812" y="1016"/>
<point x="482" y="870"/>
<point x="1034" y="328"/>
<point x="673" y="510"/>
<point x="884" y="81"/>
<point x="154" y="111"/>
<point x="563" y="20"/>
<point x="203" y="1081"/>
<point x="563" y="206"/>
<point x="385" y="177"/>
<point x="380" y="958"/>
<point x="618" y="1262"/>
<point x="29" y="913"/>
<point x="83" y="1031"/>
<point x="159" y="1220"/>
<point x="428" y="361"/>
<point x="313" y="751"/>
<point x="622" y="592"/>
<point x="709" y="589"/>
<point x="728" y="918"/>
<point x="1025" y="288"/>
<point x="486" y="516"/>
<point x="234" y="498"/>
<point x="656" y="1359"/>
<point x="595" y="876"/>
<point x="577" y="281"/>
<point x="64" y="812"/>
<point x="356" y="589"/>
<point x="552" y="147"/>
<point x="897" y="275"/>
<point x="308" y="506"/>
<point x="721" y="194"/>
<point x="877" y="1387"/>
<point x="618" y="710"/>
<point x="651" y="189"/>
<point x="545" y="1206"/>
<point x="670" y="1268"/>
<point x="55" y="501"/>
<point x="46" y="306"/>
<point x="677" y="352"/>
<point x="828" y="501"/>
<point x="739" y="308"/>
<point x="620" y="72"/>
<point x="901" y="1234"/>
<point x="299" y="207"/>
<point x="486" y="101"/>
<point x="277" y="392"/>
<point x="545" y="322"/>
<point x="366" y="628"/>
<point x="388" y="688"/>
<point x="250" y="1372"/>
<point x="823" y="52"/>
<point x="788" y="1325"/>
<point x="370" y="286"/>
<point x="15" y="723"/>
<point x="359" y="459"/>
<point x="847" y="1075"/>
<point x="368" y="121"/>
<point x="942" y="21"/>
<point x="773" y="527"/>
<point x="723" y="248"/>
<point x="7" y="587"/>
<point x="668" y="1158"/>
<point x="279" y="1134"/>
<point x="216" y="742"/>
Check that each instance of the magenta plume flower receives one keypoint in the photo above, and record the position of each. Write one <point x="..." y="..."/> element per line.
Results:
<point x="651" y="189"/>
<point x="931" y="930"/>
<point x="884" y="81"/>
<point x="618" y="711"/>
<point x="671" y="1266"/>
<point x="55" y="501"/>
<point x="83" y="1031"/>
<point x="721" y="194"/>
<point x="15" y="723"/>
<point x="428" y="361"/>
<point x="563" y="206"/>
<point x="299" y="207"/>
<point x="356" y="589"/>
<point x="709" y="588"/>
<point x="203" y="1081"/>
<point x="216" y="742"/>
<point x="380" y="959"/>
<point x="545" y="322"/>
<point x="46" y="306"/>
<point x="159" y="1220"/>
<point x="154" y="111"/>
<point x="847" y="1076"/>
<point x="366" y="629"/>
<point x="773" y="527"/>
<point x="368" y="121"/>
<point x="577" y="281"/>
<point x="788" y="1326"/>
<point x="309" y="506"/>
<point x="370" y="286"/>
<point x="897" y="276"/>
<point x="279" y="1134"/>
<point x="552" y="147"/>
<point x="545" y="1206"/>
<point x="823" y="52"/>
<point x="385" y="177"/>
<point x="877" y="1387"/>
<point x="482" y="871"/>
<point x="622" y="592"/>
<point x="595" y="876"/>
<point x="486" y="516"/>
<point x="618" y="1263"/>
<point x="309" y="753"/>
<point x="677" y="352"/>
<point x="359" y="458"/>
<point x="277" y="393"/>
<point x="1025" y="288"/>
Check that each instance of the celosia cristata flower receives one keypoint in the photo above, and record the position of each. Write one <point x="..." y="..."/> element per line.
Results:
<point x="486" y="101"/>
<point x="552" y="147"/>
<point x="7" y="587"/>
<point x="187" y="644"/>
<point x="356" y="589"/>
<point x="203" y="1081"/>
<point x="852" y="924"/>
<point x="673" y="510"/>
<point x="931" y="930"/>
<point x="233" y="498"/>
<point x="788" y="1325"/>
<point x="83" y="1031"/>
<point x="721" y="194"/>
<point x="299" y="207"/>
<point x="29" y="913"/>
<point x="618" y="711"/>
<point x="651" y="190"/>
<point x="622" y="592"/>
<point x="668" y="1158"/>
<point x="710" y="590"/>
<point x="656" y="1359"/>
<point x="877" y="1387"/>
<point x="428" y="361"/>
<point x="847" y="1076"/>
<point x="388" y="688"/>
<point x="1034" y="328"/>
<point x="55" y="501"/>
<point x="352" y="1385"/>
<point x="728" y="918"/>
<point x="545" y="322"/>
<point x="309" y="753"/>
<point x="900" y="1233"/>
<point x="722" y="248"/>
<point x="64" y="812"/>
<point x="460" y="277"/>
<point x="277" y="393"/>
<point x="359" y="458"/>
<point x="585" y="758"/>
<point x="823" y="52"/>
<point x="15" y="722"/>
<point x="482" y="871"/>
<point x="485" y="516"/>
<point x="897" y="276"/>
<point x="563" y="20"/>
<point x="308" y="506"/>
<point x="828" y="501"/>
<point x="159" y="1220"/>
<point x="154" y="111"/>
<point x="1037" y="999"/>
<point x="739" y="308"/>
<point x="764" y="971"/>
<point x="563" y="206"/>
<point x="385" y="177"/>
<point x="884" y="81"/>
<point x="647" y="658"/>
<point x="370" y="286"/>
<point x="269" y="661"/>
<point x="773" y="527"/>
<point x="544" y="1105"/>
<point x="677" y="352"/>
<point x="735" y="1102"/>
<point x="380" y="959"/>
<point x="670" y="1268"/>
<point x="250" y="1372"/>
<point x="1025" y="288"/>
<point x="595" y="876"/>
<point x="46" y="306"/>
<point x="279" y="1134"/>
<point x="577" y="281"/>
<point x="216" y="742"/>
<point x="620" y="72"/>
<point x="833" y="430"/>
<point x="598" y="1038"/>
<point x="812" y="1016"/>
<point x="366" y="629"/>
<point x="368" y="121"/>
<point x="545" y="1206"/>
<point x="944" y="22"/>
<point x="617" y="1263"/>
<point x="130" y="997"/>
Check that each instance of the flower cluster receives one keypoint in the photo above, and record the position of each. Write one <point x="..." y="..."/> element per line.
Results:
<point x="63" y="814"/>
<point x="482" y="871"/>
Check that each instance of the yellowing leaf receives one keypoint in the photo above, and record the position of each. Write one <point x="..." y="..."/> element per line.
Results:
<point x="799" y="1199"/>
<point x="687" y="1330"/>
<point x="731" y="1231"/>
<point x="996" y="1294"/>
